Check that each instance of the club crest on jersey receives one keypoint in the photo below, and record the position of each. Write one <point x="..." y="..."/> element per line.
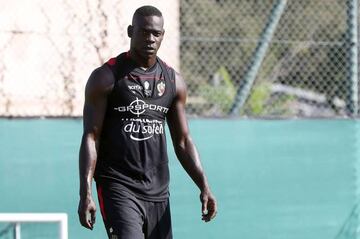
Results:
<point x="160" y="88"/>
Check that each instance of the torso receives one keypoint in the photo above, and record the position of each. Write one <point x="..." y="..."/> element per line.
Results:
<point x="132" y="148"/>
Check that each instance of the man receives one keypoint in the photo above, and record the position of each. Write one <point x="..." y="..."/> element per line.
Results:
<point x="127" y="101"/>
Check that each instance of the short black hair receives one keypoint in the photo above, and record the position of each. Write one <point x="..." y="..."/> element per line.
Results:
<point x="147" y="11"/>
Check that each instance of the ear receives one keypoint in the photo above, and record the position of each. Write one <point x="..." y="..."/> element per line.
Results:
<point x="130" y="30"/>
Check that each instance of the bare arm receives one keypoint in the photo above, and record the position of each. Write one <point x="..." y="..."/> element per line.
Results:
<point x="186" y="151"/>
<point x="97" y="88"/>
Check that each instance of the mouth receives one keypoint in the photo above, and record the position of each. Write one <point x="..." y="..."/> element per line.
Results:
<point x="149" y="49"/>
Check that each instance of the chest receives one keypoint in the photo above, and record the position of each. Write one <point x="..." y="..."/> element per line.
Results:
<point x="141" y="95"/>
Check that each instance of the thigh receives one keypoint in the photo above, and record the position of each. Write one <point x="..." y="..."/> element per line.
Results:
<point x="122" y="214"/>
<point x="158" y="220"/>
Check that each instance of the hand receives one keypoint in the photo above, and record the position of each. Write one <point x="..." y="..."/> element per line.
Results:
<point x="86" y="211"/>
<point x="209" y="207"/>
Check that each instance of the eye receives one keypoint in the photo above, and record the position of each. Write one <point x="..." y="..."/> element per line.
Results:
<point x="157" y="34"/>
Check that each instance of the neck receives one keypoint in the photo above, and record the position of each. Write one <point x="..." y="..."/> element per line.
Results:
<point x="144" y="62"/>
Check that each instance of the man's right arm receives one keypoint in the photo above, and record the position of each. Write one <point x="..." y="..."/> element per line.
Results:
<point x="97" y="88"/>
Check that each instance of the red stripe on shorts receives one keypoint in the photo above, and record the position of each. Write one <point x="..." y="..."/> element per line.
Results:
<point x="101" y="202"/>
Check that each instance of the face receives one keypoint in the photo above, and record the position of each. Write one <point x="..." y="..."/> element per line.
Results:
<point x="146" y="35"/>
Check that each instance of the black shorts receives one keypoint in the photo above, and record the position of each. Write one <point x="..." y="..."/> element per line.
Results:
<point x="128" y="217"/>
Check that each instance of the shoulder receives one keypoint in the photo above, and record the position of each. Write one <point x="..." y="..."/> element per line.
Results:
<point x="168" y="68"/>
<point x="177" y="79"/>
<point x="180" y="87"/>
<point x="101" y="80"/>
<point x="121" y="59"/>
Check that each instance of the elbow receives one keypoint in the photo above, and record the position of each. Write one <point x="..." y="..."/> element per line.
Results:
<point x="89" y="143"/>
<point x="92" y="134"/>
<point x="182" y="144"/>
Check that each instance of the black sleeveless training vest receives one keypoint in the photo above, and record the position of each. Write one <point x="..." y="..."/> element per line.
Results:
<point x="132" y="149"/>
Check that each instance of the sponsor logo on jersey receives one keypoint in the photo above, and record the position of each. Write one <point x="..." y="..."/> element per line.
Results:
<point x="138" y="107"/>
<point x="147" y="90"/>
<point x="143" y="129"/>
<point x="112" y="236"/>
<point x="160" y="88"/>
<point x="135" y="87"/>
<point x="147" y="85"/>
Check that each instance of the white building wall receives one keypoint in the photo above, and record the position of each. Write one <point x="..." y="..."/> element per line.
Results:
<point x="49" y="48"/>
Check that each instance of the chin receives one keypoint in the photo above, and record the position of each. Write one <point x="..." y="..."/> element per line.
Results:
<point x="149" y="55"/>
<point x="145" y="55"/>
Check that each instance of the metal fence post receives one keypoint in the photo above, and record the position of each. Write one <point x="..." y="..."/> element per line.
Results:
<point x="259" y="54"/>
<point x="352" y="61"/>
<point x="17" y="230"/>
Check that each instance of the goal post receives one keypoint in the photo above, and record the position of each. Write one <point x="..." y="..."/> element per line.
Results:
<point x="19" y="218"/>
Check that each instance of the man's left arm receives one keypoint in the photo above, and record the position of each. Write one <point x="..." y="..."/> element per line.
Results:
<point x="186" y="151"/>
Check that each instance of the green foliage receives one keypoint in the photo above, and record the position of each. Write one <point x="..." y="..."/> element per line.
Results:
<point x="308" y="51"/>
<point x="258" y="99"/>
<point x="260" y="102"/>
<point x="222" y="95"/>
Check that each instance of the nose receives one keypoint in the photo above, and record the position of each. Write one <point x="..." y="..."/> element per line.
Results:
<point x="150" y="38"/>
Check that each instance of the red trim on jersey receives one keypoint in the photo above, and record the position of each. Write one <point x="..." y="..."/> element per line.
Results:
<point x="148" y="78"/>
<point x="101" y="202"/>
<point x="169" y="67"/>
<point x="111" y="61"/>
